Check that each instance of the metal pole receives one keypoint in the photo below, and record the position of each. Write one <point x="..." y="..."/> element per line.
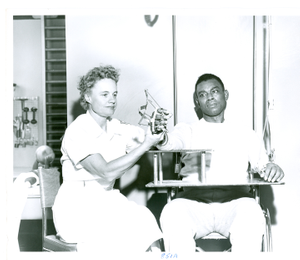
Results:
<point x="155" y="170"/>
<point x="160" y="168"/>
<point x="174" y="68"/>
<point x="267" y="133"/>
<point x="254" y="109"/>
<point x="175" y="156"/>
<point x="203" y="168"/>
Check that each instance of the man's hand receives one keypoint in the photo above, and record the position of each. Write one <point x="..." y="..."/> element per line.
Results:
<point x="159" y="120"/>
<point x="272" y="173"/>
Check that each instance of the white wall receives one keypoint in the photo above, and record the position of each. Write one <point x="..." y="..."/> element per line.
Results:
<point x="144" y="56"/>
<point x="142" y="53"/>
<point x="27" y="74"/>
<point x="222" y="45"/>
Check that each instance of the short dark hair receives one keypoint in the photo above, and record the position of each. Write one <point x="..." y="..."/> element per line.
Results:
<point x="94" y="75"/>
<point x="206" y="77"/>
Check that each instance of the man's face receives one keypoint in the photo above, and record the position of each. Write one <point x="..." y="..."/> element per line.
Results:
<point x="212" y="98"/>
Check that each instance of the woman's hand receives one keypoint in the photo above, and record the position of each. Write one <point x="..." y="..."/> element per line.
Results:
<point x="152" y="139"/>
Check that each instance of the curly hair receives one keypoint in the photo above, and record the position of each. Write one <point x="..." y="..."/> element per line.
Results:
<point x="94" y="75"/>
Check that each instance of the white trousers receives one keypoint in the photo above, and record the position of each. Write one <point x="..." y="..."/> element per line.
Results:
<point x="183" y="221"/>
<point x="102" y="221"/>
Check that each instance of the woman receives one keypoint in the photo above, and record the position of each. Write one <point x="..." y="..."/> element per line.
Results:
<point x="97" y="150"/>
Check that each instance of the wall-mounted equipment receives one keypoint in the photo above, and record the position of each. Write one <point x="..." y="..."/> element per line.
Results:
<point x="25" y="123"/>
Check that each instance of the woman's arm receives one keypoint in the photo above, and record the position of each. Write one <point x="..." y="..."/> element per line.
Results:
<point x="96" y="165"/>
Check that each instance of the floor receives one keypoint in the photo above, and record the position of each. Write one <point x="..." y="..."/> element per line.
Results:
<point x="30" y="238"/>
<point x="30" y="235"/>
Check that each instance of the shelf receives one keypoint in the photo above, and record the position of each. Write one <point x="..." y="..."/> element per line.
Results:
<point x="55" y="132"/>
<point x="49" y="71"/>
<point x="53" y="141"/>
<point x="56" y="123"/>
<point x="55" y="49"/>
<point x="55" y="83"/>
<point x="56" y="60"/>
<point x="55" y="114"/>
<point x="54" y="27"/>
<point x="56" y="103"/>
<point x="56" y="93"/>
<point x="55" y="39"/>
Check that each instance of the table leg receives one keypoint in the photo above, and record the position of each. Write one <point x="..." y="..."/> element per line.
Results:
<point x="256" y="193"/>
<point x="160" y="168"/>
<point x="203" y="168"/>
<point x="169" y="194"/>
<point x="155" y="167"/>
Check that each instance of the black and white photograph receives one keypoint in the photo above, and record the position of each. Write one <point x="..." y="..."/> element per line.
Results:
<point x="156" y="133"/>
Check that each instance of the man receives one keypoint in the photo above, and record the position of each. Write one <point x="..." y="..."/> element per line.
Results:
<point x="228" y="210"/>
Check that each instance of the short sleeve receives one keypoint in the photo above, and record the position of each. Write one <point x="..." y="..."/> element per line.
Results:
<point x="78" y="143"/>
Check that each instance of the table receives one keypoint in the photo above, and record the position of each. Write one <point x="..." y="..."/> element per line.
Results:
<point x="159" y="182"/>
<point x="254" y="182"/>
<point x="32" y="207"/>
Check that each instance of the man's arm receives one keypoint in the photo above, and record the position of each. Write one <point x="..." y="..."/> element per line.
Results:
<point x="259" y="160"/>
<point x="178" y="139"/>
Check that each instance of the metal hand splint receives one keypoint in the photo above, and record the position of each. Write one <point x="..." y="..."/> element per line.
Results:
<point x="157" y="111"/>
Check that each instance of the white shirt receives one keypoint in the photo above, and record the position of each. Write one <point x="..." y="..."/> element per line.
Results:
<point x="85" y="137"/>
<point x="233" y="147"/>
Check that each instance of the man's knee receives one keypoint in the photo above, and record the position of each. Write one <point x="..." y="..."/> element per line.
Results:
<point x="250" y="207"/>
<point x="249" y="215"/>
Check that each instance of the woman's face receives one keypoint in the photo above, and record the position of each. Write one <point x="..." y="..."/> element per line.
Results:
<point x="103" y="97"/>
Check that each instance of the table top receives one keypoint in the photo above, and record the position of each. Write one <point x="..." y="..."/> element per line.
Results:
<point x="180" y="183"/>
<point x="181" y="151"/>
<point x="34" y="191"/>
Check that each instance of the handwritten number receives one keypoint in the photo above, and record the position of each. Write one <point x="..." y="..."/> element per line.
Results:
<point x="167" y="256"/>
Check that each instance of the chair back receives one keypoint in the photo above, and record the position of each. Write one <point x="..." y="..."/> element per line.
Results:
<point x="49" y="185"/>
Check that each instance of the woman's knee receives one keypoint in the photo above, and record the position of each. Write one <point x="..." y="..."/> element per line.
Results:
<point x="173" y="208"/>
<point x="176" y="212"/>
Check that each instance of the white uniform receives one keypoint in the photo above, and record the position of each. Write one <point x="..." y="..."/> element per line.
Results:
<point x="87" y="209"/>
<point x="226" y="209"/>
